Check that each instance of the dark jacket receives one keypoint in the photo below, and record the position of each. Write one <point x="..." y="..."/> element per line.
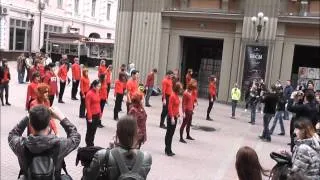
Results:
<point x="270" y="101"/>
<point x="308" y="110"/>
<point x="287" y="92"/>
<point x="38" y="144"/>
<point x="99" y="161"/>
<point x="281" y="105"/>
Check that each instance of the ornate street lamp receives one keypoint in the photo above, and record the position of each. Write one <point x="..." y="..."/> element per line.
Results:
<point x="31" y="22"/>
<point x="260" y="22"/>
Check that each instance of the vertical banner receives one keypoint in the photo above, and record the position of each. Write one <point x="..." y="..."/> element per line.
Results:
<point x="254" y="65"/>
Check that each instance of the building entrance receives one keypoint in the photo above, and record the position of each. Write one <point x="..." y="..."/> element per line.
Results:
<point x="306" y="65"/>
<point x="204" y="57"/>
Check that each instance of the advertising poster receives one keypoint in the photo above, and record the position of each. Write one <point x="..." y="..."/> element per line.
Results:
<point x="317" y="85"/>
<point x="254" y="64"/>
<point x="303" y="72"/>
<point x="313" y="73"/>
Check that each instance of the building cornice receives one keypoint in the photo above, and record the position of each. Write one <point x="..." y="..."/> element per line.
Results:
<point x="203" y="15"/>
<point x="299" y="20"/>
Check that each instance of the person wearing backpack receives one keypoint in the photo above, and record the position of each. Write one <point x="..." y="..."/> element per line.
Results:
<point x="42" y="149"/>
<point x="124" y="161"/>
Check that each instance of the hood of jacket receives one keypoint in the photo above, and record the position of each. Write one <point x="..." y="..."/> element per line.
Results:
<point x="38" y="144"/>
<point x="313" y="142"/>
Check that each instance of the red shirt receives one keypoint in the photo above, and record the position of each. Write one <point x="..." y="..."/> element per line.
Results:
<point x="76" y="71"/>
<point x="6" y="75"/>
<point x="132" y="87"/>
<point x="187" y="101"/>
<point x="150" y="80"/>
<point x="93" y="103"/>
<point x="101" y="70"/>
<point x="166" y="87"/>
<point x="195" y="95"/>
<point x="103" y="91"/>
<point x="84" y="85"/>
<point x="31" y="93"/>
<point x="173" y="106"/>
<point x="119" y="87"/>
<point x="212" y="89"/>
<point x="41" y="70"/>
<point x="188" y="78"/>
<point x="63" y="72"/>
<point x="108" y="76"/>
<point x="51" y="80"/>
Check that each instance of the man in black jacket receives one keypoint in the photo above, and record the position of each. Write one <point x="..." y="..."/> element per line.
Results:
<point x="270" y="101"/>
<point x="287" y="94"/>
<point x="41" y="140"/>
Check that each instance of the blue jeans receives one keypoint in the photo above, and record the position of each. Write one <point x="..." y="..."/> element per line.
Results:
<point x="278" y="116"/>
<point x="253" y="112"/>
<point x="234" y="106"/>
<point x="21" y="76"/>
<point x="266" y="120"/>
<point x="286" y="115"/>
<point x="148" y="95"/>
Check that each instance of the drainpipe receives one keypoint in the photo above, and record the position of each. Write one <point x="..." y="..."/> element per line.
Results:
<point x="130" y="36"/>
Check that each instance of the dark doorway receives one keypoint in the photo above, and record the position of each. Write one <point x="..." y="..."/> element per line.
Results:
<point x="204" y="57"/>
<point x="308" y="57"/>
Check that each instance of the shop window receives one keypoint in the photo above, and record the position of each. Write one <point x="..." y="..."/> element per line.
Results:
<point x="18" y="38"/>
<point x="11" y="39"/>
<point x="108" y="35"/>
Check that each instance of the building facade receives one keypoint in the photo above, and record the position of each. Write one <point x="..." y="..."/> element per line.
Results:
<point x="27" y="24"/>
<point x="219" y="37"/>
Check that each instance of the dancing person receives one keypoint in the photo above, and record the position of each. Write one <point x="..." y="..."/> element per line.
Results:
<point x="138" y="112"/>
<point x="270" y="100"/>
<point x="5" y="79"/>
<point x="84" y="88"/>
<point x="187" y="109"/>
<point x="235" y="97"/>
<point x="76" y="76"/>
<point x="132" y="87"/>
<point x="288" y="90"/>
<point x="149" y="86"/>
<point x="108" y="77"/>
<point x="248" y="166"/>
<point x="103" y="96"/>
<point x="102" y="68"/>
<point x="279" y="113"/>
<point x="173" y="115"/>
<point x="188" y="76"/>
<point x="212" y="95"/>
<point x="38" y="67"/>
<point x="166" y="93"/>
<point x="51" y="80"/>
<point x="32" y="89"/>
<point x="118" y="93"/>
<point x="124" y="153"/>
<point x="92" y="100"/>
<point x="63" y="76"/>
<point x="253" y="100"/>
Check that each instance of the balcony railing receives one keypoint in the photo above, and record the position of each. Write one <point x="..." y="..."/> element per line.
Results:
<point x="300" y="8"/>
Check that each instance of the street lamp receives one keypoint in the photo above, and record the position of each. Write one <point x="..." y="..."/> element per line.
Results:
<point x="260" y="22"/>
<point x="41" y="7"/>
<point x="31" y="22"/>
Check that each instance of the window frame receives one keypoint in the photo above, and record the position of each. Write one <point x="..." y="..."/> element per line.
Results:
<point x="13" y="26"/>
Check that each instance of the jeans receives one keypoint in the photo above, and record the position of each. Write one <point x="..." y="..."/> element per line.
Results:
<point x="148" y="95"/>
<point x="278" y="116"/>
<point x="91" y="129"/>
<point x="286" y="115"/>
<point x="186" y="122"/>
<point x="75" y="85"/>
<point x="253" y="112"/>
<point x="169" y="134"/>
<point x="266" y="120"/>
<point x="21" y="76"/>
<point x="164" y="112"/>
<point x="234" y="106"/>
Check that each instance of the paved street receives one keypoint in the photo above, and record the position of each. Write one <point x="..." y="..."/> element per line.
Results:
<point x="210" y="156"/>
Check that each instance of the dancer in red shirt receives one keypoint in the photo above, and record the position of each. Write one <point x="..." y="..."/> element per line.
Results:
<point x="76" y="76"/>
<point x="103" y="96"/>
<point x="4" y="81"/>
<point x="187" y="109"/>
<point x="102" y="68"/>
<point x="212" y="95"/>
<point x="119" y="89"/>
<point x="173" y="115"/>
<point x="188" y="77"/>
<point x="149" y="85"/>
<point x="84" y="88"/>
<point x="93" y="111"/>
<point x="32" y="89"/>
<point x="137" y="111"/>
<point x="43" y="99"/>
<point x="108" y="79"/>
<point x="51" y="80"/>
<point x="166" y="92"/>
<point x="132" y="87"/>
<point x="63" y="76"/>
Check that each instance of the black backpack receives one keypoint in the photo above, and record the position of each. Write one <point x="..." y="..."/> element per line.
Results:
<point x="281" y="170"/>
<point x="125" y="173"/>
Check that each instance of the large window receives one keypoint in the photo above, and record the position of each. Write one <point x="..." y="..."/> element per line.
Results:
<point x="59" y="4"/>
<point x="20" y="34"/>
<point x="108" y="11"/>
<point x="76" y="7"/>
<point x="50" y="29"/>
<point x="93" y="12"/>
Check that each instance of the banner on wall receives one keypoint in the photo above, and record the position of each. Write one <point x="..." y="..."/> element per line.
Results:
<point x="254" y="65"/>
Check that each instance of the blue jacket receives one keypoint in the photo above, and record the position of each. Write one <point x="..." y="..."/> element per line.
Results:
<point x="287" y="92"/>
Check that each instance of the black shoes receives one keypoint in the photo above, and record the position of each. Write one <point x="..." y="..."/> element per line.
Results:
<point x="265" y="139"/>
<point x="163" y="126"/>
<point x="100" y="126"/>
<point x="60" y="101"/>
<point x="82" y="116"/>
<point x="8" y="104"/>
<point x="281" y="134"/>
<point x="252" y="123"/>
<point x="209" y="118"/>
<point x="233" y="117"/>
<point x="182" y="140"/>
<point x="189" y="137"/>
<point x="74" y="98"/>
<point x="148" y="105"/>
<point x="169" y="153"/>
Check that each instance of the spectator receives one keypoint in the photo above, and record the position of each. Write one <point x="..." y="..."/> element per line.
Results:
<point x="279" y="113"/>
<point x="287" y="93"/>
<point x="138" y="112"/>
<point x="126" y="140"/>
<point x="41" y="141"/>
<point x="21" y="68"/>
<point x="5" y="79"/>
<point x="149" y="85"/>
<point x="248" y="166"/>
<point x="253" y="100"/>
<point x="48" y="59"/>
<point x="28" y="65"/>
<point x="235" y="96"/>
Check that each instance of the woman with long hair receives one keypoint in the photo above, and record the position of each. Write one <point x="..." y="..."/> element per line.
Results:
<point x="173" y="115"/>
<point x="137" y="111"/>
<point x="42" y="98"/>
<point x="120" y="86"/>
<point x="32" y="89"/>
<point x="212" y="95"/>
<point x="248" y="166"/>
<point x="103" y="95"/>
<point x="92" y="100"/>
<point x="84" y="88"/>
<point x="51" y="80"/>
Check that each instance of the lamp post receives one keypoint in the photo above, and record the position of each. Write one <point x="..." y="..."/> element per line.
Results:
<point x="260" y="22"/>
<point x="31" y="22"/>
<point x="41" y="7"/>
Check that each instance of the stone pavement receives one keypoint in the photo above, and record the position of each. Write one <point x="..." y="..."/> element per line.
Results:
<point x="210" y="156"/>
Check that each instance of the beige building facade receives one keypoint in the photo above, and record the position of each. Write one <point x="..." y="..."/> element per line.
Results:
<point x="167" y="34"/>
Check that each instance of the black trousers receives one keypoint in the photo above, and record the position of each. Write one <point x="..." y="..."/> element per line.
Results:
<point x="28" y="74"/>
<point x="209" y="107"/>
<point x="62" y="87"/>
<point x="292" y="135"/>
<point x="164" y="112"/>
<point x="169" y="134"/>
<point x="108" y="89"/>
<point x="4" y="87"/>
<point x="117" y="105"/>
<point x="186" y="123"/>
<point x="128" y="107"/>
<point x="82" y="109"/>
<point x="92" y="129"/>
<point x="51" y="98"/>
<point x="74" y="91"/>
